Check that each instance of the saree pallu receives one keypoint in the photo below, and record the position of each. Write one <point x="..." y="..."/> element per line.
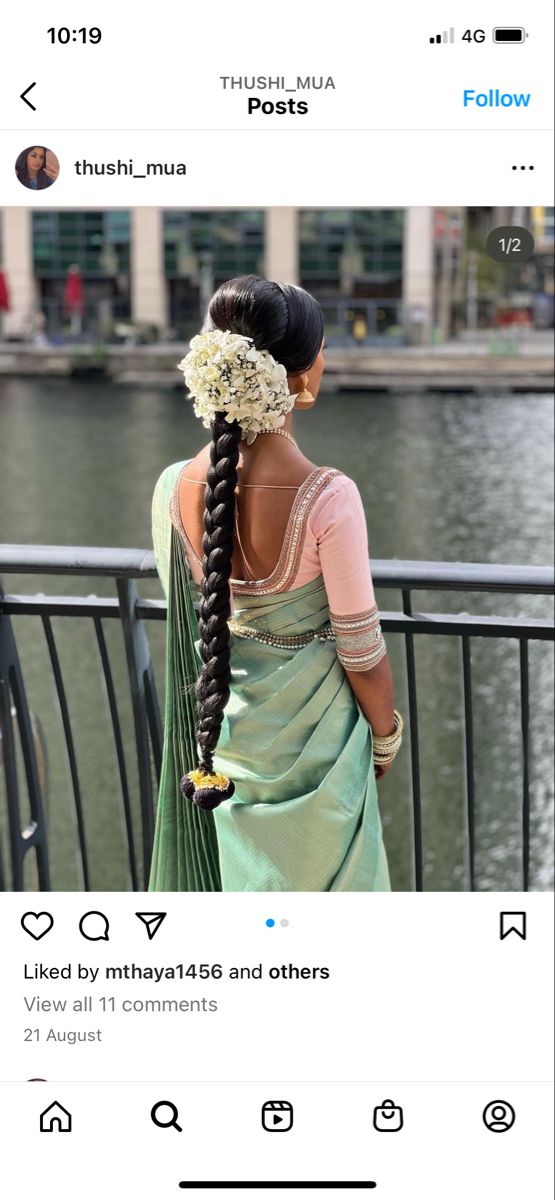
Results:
<point x="304" y="816"/>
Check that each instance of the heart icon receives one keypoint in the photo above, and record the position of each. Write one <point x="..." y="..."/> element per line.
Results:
<point x="37" y="924"/>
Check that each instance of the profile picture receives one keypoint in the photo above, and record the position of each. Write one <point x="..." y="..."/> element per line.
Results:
<point x="37" y="167"/>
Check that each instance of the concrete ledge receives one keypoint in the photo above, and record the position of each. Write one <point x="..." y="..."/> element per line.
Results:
<point x="454" y="367"/>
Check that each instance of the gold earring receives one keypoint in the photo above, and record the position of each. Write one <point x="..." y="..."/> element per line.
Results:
<point x="305" y="396"/>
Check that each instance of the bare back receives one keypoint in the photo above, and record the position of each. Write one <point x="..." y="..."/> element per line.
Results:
<point x="268" y="481"/>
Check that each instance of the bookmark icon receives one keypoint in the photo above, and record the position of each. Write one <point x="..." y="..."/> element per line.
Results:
<point x="512" y="922"/>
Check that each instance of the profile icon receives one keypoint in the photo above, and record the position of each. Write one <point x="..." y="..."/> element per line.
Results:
<point x="499" y="1116"/>
<point x="37" y="168"/>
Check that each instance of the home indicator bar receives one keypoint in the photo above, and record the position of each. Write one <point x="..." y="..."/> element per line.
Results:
<point x="277" y="1183"/>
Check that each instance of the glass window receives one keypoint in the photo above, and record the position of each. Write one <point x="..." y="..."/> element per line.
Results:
<point x="345" y="250"/>
<point x="97" y="241"/>
<point x="218" y="244"/>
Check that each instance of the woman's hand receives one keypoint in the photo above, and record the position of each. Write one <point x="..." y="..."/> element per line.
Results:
<point x="51" y="170"/>
<point x="381" y="769"/>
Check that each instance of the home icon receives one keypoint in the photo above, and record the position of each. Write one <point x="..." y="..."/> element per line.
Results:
<point x="55" y="1119"/>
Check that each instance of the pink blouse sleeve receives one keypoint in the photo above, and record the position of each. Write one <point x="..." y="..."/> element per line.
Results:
<point x="338" y="523"/>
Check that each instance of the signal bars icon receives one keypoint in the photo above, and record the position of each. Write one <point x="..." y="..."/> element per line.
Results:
<point x="448" y="35"/>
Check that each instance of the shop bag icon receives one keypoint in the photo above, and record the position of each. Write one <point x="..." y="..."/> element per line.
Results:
<point x="388" y="1117"/>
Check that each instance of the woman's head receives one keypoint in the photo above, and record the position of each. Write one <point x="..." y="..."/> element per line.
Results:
<point x="279" y="317"/>
<point x="36" y="158"/>
<point x="30" y="164"/>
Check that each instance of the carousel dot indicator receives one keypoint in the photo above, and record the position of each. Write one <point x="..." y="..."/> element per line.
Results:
<point x="284" y="923"/>
<point x="270" y="922"/>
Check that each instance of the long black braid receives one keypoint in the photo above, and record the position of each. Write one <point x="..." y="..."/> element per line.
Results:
<point x="286" y="321"/>
<point x="212" y="687"/>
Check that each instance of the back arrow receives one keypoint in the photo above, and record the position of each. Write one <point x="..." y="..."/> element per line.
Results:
<point x="23" y="96"/>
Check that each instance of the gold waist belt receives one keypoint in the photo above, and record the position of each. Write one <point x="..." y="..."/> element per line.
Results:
<point x="292" y="641"/>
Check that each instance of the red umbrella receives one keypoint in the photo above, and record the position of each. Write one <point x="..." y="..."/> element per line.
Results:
<point x="4" y="294"/>
<point x="74" y="297"/>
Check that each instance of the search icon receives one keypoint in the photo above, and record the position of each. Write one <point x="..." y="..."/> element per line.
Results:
<point x="168" y="1121"/>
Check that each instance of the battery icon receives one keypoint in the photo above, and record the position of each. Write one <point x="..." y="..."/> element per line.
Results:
<point x="509" y="35"/>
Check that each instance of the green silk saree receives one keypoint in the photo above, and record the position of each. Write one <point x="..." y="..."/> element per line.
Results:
<point x="304" y="816"/>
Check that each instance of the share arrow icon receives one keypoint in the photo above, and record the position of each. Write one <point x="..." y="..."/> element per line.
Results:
<point x="151" y="922"/>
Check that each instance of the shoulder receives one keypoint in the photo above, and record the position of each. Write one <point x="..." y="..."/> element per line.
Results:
<point x="337" y="501"/>
<point x="337" y="483"/>
<point x="172" y="471"/>
<point x="167" y="481"/>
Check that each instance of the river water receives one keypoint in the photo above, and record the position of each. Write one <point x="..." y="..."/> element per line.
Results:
<point x="444" y="477"/>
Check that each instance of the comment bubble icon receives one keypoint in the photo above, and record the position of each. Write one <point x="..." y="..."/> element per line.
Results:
<point x="94" y="926"/>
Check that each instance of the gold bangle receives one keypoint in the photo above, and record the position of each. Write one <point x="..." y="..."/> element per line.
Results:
<point x="382" y="759"/>
<point x="386" y="747"/>
<point x="387" y="738"/>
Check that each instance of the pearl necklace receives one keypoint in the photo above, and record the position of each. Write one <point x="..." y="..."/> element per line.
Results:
<point x="282" y="433"/>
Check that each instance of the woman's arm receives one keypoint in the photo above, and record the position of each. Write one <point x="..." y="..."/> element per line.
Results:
<point x="374" y="692"/>
<point x="339" y="525"/>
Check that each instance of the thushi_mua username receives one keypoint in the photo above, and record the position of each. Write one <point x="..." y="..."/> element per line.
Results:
<point x="127" y="167"/>
<point x="259" y="83"/>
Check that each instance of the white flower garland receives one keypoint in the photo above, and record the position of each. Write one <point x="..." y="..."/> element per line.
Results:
<point x="225" y="373"/>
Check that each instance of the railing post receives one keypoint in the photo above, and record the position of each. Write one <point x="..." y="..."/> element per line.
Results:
<point x="525" y="728"/>
<point x="70" y="747"/>
<point x="414" y="749"/>
<point x="34" y="835"/>
<point x="141" y="681"/>
<point x="469" y="756"/>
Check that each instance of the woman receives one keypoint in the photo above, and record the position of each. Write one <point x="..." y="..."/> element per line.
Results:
<point x="32" y="169"/>
<point x="294" y="716"/>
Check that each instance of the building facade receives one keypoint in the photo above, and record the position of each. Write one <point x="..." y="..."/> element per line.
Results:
<point x="381" y="275"/>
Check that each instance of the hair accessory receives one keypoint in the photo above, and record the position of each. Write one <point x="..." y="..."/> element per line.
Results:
<point x="205" y="789"/>
<point x="225" y="373"/>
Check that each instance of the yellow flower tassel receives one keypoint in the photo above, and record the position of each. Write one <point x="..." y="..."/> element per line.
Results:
<point x="206" y="790"/>
<point x="201" y="779"/>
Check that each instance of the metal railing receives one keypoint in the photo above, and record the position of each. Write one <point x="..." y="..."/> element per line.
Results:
<point x="126" y="567"/>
